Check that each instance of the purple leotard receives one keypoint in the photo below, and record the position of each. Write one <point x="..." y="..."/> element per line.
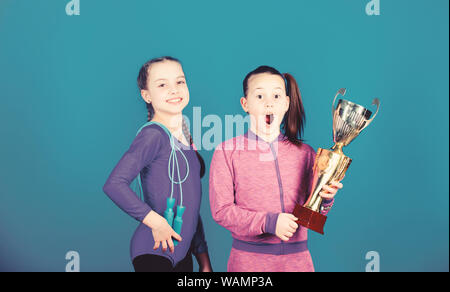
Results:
<point x="149" y="156"/>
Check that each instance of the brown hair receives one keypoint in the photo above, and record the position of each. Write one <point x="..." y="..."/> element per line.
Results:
<point x="142" y="84"/>
<point x="294" y="120"/>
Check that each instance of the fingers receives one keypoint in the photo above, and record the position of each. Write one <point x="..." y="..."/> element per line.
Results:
<point x="287" y="236"/>
<point x="284" y="238"/>
<point x="176" y="236"/>
<point x="326" y="196"/>
<point x="171" y="246"/>
<point x="286" y="226"/>
<point x="165" y="243"/>
<point x="329" y="189"/>
<point x="291" y="228"/>
<point x="164" y="239"/>
<point x="336" y="184"/>
<point x="170" y="241"/>
<point x="293" y="225"/>
<point x="292" y="217"/>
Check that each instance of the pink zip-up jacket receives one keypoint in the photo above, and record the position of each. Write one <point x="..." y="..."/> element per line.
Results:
<point x="251" y="182"/>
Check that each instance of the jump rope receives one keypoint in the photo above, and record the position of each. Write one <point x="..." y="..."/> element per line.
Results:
<point x="176" y="223"/>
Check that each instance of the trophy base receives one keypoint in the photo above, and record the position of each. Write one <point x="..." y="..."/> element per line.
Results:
<point x="309" y="218"/>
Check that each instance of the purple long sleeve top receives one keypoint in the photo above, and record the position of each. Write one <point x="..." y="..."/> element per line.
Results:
<point x="149" y="156"/>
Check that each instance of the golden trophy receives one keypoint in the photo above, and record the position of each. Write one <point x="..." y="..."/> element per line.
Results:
<point x="349" y="119"/>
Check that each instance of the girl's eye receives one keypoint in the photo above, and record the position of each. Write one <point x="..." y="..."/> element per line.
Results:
<point x="181" y="82"/>
<point x="277" y="95"/>
<point x="161" y="85"/>
<point x="259" y="96"/>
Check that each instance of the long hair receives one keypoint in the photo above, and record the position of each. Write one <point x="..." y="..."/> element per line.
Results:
<point x="294" y="120"/>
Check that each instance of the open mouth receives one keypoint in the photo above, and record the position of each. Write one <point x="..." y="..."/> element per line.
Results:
<point x="269" y="119"/>
<point x="174" y="100"/>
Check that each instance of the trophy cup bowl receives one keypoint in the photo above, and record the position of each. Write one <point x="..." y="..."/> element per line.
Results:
<point x="349" y="119"/>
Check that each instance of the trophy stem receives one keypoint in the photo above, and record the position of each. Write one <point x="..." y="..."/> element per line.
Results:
<point x="337" y="148"/>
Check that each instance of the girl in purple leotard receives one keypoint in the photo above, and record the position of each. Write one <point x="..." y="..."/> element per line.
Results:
<point x="163" y="87"/>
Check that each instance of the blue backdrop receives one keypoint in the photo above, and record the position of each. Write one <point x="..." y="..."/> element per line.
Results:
<point x="70" y="108"/>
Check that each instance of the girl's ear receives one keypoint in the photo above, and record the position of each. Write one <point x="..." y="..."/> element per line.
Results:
<point x="288" y="101"/>
<point x="146" y="95"/>
<point x="244" y="104"/>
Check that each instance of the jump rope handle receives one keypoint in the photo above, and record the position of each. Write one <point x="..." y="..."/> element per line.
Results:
<point x="177" y="224"/>
<point x="168" y="214"/>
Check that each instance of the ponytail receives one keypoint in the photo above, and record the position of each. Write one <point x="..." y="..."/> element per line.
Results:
<point x="294" y="119"/>
<point x="188" y="136"/>
<point x="151" y="111"/>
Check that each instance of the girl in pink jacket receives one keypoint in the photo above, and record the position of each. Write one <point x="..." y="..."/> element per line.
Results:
<point x="257" y="178"/>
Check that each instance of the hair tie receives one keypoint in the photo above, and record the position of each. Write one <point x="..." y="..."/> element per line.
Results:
<point x="287" y="84"/>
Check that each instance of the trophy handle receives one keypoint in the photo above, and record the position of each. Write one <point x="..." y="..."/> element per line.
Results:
<point x="376" y="102"/>
<point x="341" y="92"/>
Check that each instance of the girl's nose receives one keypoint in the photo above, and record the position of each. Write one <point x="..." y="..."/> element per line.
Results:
<point x="173" y="90"/>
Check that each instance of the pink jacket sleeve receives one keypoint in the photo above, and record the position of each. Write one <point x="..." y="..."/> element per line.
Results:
<point x="223" y="208"/>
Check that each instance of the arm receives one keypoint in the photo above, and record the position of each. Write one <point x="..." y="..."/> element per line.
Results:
<point x="203" y="262"/>
<point x="328" y="192"/>
<point x="142" y="151"/>
<point x="223" y="208"/>
<point x="200" y="248"/>
<point x="326" y="206"/>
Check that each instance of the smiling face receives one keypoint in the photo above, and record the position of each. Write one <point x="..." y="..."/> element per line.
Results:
<point x="266" y="102"/>
<point x="166" y="88"/>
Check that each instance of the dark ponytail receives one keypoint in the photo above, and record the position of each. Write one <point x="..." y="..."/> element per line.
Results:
<point x="188" y="136"/>
<point x="294" y="120"/>
<point x="142" y="84"/>
<point x="150" y="110"/>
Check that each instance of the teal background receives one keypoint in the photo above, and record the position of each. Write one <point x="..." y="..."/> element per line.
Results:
<point x="70" y="108"/>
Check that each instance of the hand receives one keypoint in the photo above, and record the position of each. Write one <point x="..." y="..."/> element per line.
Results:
<point x="161" y="230"/>
<point x="206" y="269"/>
<point x="286" y="226"/>
<point x="203" y="262"/>
<point x="329" y="191"/>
